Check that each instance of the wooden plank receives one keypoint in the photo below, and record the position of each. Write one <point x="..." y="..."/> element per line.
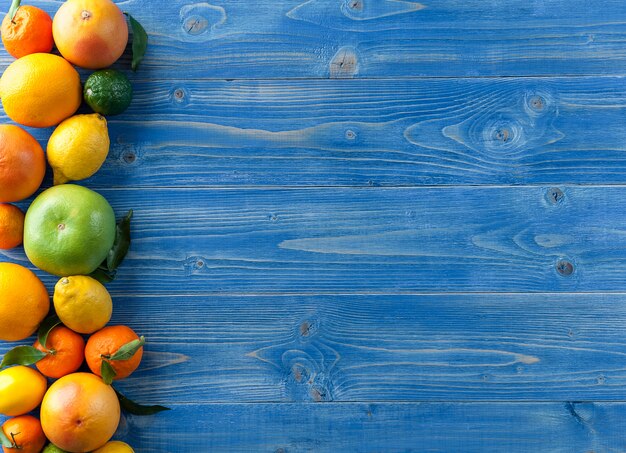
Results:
<point x="381" y="427"/>
<point x="501" y="239"/>
<point x="389" y="38"/>
<point x="361" y="133"/>
<point x="543" y="347"/>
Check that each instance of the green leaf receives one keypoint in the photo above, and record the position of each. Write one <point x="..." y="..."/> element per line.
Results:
<point x="121" y="245"/>
<point x="4" y="440"/>
<point x="137" y="409"/>
<point x="15" y="5"/>
<point x="45" y="328"/>
<point x="103" y="275"/>
<point x="129" y="349"/>
<point x="107" y="371"/>
<point x="22" y="355"/>
<point x="140" y="42"/>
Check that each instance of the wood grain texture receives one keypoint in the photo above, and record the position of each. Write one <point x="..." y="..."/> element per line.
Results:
<point x="374" y="240"/>
<point x="364" y="133"/>
<point x="567" y="427"/>
<point x="296" y="298"/>
<point x="378" y="38"/>
<point x="221" y="349"/>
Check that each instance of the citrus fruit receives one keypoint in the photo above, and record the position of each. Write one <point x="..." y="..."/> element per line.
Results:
<point x="69" y="230"/>
<point x="11" y="226"/>
<point x="90" y="33"/>
<point x="106" y="342"/>
<point x="25" y="433"/>
<point x="80" y="412"/>
<point x="115" y="446"/>
<point x="22" y="164"/>
<point x="66" y="353"/>
<point x="108" y="92"/>
<point x="24" y="302"/>
<point x="21" y="390"/>
<point x="78" y="147"/>
<point x="82" y="303"/>
<point x="40" y="90"/>
<point x="51" y="448"/>
<point x="30" y="31"/>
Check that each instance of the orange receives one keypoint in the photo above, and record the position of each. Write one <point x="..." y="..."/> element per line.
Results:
<point x="11" y="226"/>
<point x="30" y="31"/>
<point x="106" y="342"/>
<point x="24" y="302"/>
<point x="66" y="353"/>
<point x="26" y="434"/>
<point x="90" y="33"/>
<point x="22" y="164"/>
<point x="40" y="90"/>
<point x="80" y="412"/>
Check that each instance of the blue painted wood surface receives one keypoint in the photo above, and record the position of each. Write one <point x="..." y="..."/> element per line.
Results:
<point x="426" y="257"/>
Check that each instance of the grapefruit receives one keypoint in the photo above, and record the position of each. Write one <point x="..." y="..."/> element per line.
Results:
<point x="80" y="413"/>
<point x="22" y="164"/>
<point x="69" y="230"/>
<point x="11" y="226"/>
<point x="91" y="34"/>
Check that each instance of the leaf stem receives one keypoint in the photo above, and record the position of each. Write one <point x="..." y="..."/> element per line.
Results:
<point x="13" y="10"/>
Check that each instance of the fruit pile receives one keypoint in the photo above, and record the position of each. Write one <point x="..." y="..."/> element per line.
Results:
<point x="69" y="231"/>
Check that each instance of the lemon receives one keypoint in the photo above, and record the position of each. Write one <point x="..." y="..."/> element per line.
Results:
<point x="21" y="390"/>
<point x="82" y="303"/>
<point x="115" y="446"/>
<point x="78" y="147"/>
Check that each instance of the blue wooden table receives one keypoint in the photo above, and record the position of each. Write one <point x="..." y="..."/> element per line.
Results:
<point x="374" y="225"/>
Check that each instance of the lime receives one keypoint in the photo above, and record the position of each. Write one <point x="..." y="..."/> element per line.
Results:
<point x="69" y="230"/>
<point x="108" y="92"/>
<point x="51" y="448"/>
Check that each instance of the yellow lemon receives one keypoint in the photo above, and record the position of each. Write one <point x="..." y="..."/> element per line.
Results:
<point x="78" y="147"/>
<point x="115" y="446"/>
<point x="21" y="390"/>
<point x="82" y="303"/>
<point x="40" y="90"/>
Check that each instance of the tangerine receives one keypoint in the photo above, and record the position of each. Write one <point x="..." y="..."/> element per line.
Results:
<point x="106" y="342"/>
<point x="30" y="31"/>
<point x="25" y="433"/>
<point x="66" y="353"/>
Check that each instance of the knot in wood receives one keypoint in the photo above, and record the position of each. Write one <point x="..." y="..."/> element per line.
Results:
<point x="564" y="267"/>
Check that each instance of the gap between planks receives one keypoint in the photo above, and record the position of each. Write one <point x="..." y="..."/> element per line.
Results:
<point x="374" y="187"/>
